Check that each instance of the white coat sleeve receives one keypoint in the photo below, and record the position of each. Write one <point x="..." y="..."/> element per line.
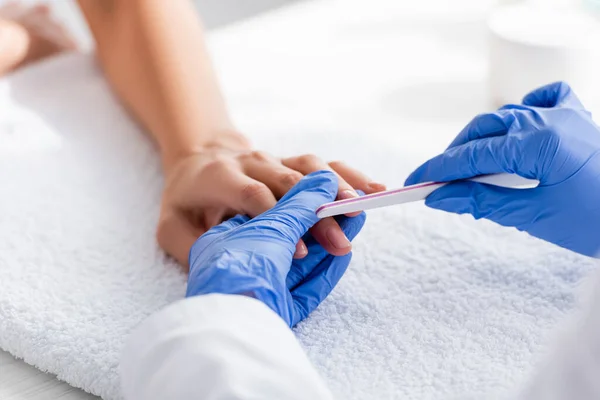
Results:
<point x="571" y="369"/>
<point x="216" y="347"/>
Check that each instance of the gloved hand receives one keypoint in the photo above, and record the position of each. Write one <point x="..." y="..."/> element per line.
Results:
<point x="550" y="137"/>
<point x="255" y="257"/>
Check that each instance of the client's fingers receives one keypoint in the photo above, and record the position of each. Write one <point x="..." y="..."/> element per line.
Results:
<point x="213" y="216"/>
<point x="357" y="179"/>
<point x="301" y="250"/>
<point x="327" y="231"/>
<point x="329" y="235"/>
<point x="253" y="198"/>
<point x="270" y="171"/>
<point x="43" y="9"/>
<point x="295" y="213"/>
<point x="301" y="269"/>
<point x="279" y="179"/>
<point x="225" y="184"/>
<point x="309" y="163"/>
<point x="176" y="235"/>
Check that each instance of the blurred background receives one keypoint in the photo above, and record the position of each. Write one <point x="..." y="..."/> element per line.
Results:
<point x="215" y="13"/>
<point x="218" y="13"/>
<point x="526" y="48"/>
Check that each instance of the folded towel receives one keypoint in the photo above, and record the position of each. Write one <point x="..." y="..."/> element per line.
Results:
<point x="433" y="306"/>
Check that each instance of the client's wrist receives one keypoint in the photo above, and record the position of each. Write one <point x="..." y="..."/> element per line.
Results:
<point x="230" y="141"/>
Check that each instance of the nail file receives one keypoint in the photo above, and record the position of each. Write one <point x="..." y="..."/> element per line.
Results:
<point x="413" y="193"/>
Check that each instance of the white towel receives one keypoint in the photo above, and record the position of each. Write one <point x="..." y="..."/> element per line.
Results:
<point x="433" y="306"/>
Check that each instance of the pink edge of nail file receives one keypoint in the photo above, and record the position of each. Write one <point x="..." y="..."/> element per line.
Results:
<point x="413" y="193"/>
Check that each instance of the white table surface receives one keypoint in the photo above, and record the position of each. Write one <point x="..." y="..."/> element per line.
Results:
<point x="420" y="66"/>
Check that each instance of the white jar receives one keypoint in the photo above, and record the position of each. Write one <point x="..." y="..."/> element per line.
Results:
<point x="533" y="44"/>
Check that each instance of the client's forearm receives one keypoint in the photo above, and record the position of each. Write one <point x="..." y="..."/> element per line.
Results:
<point x="155" y="57"/>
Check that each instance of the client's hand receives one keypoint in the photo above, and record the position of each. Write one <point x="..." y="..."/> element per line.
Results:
<point x="29" y="34"/>
<point x="255" y="257"/>
<point x="204" y="189"/>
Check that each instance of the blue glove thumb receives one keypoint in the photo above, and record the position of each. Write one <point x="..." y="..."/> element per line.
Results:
<point x="557" y="94"/>
<point x="295" y="213"/>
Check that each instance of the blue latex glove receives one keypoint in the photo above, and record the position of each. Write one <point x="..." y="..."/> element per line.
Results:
<point x="255" y="257"/>
<point x="550" y="137"/>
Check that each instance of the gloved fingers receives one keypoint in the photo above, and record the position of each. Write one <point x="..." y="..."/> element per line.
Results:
<point x="217" y="230"/>
<point x="251" y="197"/>
<point x="316" y="253"/>
<point x="295" y="213"/>
<point x="309" y="163"/>
<point x="301" y="267"/>
<point x="280" y="179"/>
<point x="505" y="206"/>
<point x="483" y="125"/>
<point x="203" y="241"/>
<point x="226" y="184"/>
<point x="479" y="157"/>
<point x="356" y="179"/>
<point x="328" y="234"/>
<point x="230" y="224"/>
<point x="326" y="231"/>
<point x="557" y="94"/>
<point x="318" y="285"/>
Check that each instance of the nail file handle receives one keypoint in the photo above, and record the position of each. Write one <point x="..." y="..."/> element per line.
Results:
<point x="511" y="181"/>
<point x="413" y="193"/>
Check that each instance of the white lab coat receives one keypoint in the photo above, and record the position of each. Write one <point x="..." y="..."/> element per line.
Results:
<point x="225" y="347"/>
<point x="218" y="347"/>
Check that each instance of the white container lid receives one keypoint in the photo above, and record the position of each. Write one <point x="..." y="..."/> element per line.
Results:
<point x="533" y="44"/>
<point x="547" y="25"/>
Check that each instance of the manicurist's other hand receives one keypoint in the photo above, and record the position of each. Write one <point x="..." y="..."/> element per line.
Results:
<point x="255" y="257"/>
<point x="549" y="137"/>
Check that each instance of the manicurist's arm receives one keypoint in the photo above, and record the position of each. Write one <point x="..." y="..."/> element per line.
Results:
<point x="551" y="137"/>
<point x="217" y="347"/>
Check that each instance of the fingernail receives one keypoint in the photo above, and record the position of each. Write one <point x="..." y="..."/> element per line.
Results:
<point x="301" y="250"/>
<point x="347" y="194"/>
<point x="378" y="187"/>
<point x="337" y="238"/>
